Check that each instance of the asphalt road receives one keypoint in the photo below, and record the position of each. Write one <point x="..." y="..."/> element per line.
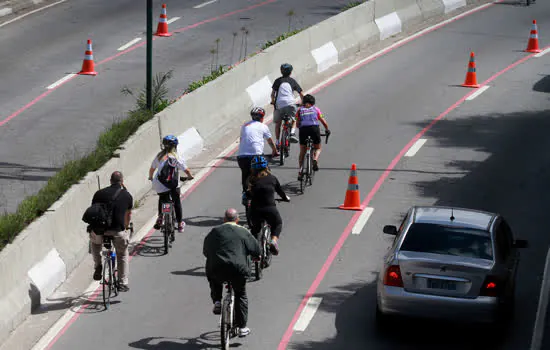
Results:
<point x="488" y="153"/>
<point x="65" y="122"/>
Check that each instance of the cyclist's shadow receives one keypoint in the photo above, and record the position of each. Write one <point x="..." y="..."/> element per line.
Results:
<point x="209" y="340"/>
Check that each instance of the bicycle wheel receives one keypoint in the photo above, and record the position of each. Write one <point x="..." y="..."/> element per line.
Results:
<point x="304" y="173"/>
<point x="116" y="283"/>
<point x="225" y="324"/>
<point x="166" y="232"/>
<point x="259" y="265"/>
<point x="107" y="282"/>
<point x="282" y="147"/>
<point x="310" y="169"/>
<point x="267" y="256"/>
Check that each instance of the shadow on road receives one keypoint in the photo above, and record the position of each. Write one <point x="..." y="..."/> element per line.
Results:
<point x="191" y="272"/>
<point x="210" y="340"/>
<point x="511" y="178"/>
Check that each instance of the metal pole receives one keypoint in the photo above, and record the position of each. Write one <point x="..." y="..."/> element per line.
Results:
<point x="149" y="83"/>
<point x="538" y="329"/>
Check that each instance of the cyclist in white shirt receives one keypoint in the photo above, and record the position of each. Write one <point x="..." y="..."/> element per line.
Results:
<point x="252" y="141"/>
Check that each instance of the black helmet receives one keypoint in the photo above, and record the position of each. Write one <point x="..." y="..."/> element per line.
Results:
<point x="286" y="69"/>
<point x="257" y="113"/>
<point x="308" y="99"/>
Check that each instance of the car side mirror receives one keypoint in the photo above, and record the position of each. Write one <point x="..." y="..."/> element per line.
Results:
<point x="520" y="243"/>
<point x="390" y="230"/>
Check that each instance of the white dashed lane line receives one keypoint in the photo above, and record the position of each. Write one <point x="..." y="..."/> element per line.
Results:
<point x="365" y="216"/>
<point x="540" y="54"/>
<point x="129" y="44"/>
<point x="307" y="314"/>
<point x="61" y="81"/>
<point x="173" y="19"/>
<point x="204" y="4"/>
<point x="477" y="92"/>
<point x="415" y="147"/>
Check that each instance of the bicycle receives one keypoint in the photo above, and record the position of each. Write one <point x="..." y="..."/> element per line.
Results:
<point x="307" y="167"/>
<point x="228" y="329"/>
<point x="284" y="142"/>
<point x="109" y="281"/>
<point x="169" y="221"/>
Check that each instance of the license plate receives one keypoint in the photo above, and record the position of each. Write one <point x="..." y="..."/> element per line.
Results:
<point x="166" y="207"/>
<point x="441" y="284"/>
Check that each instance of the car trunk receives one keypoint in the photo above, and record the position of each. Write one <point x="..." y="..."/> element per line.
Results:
<point x="444" y="275"/>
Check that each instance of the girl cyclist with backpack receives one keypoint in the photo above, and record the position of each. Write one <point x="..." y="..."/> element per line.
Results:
<point x="166" y="181"/>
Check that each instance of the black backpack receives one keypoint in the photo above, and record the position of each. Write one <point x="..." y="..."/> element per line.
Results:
<point x="100" y="215"/>
<point x="169" y="174"/>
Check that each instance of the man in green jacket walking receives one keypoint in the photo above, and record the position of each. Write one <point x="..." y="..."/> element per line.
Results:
<point x="226" y="249"/>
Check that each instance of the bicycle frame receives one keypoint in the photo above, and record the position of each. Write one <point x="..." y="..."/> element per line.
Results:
<point x="109" y="279"/>
<point x="168" y="219"/>
<point x="307" y="166"/>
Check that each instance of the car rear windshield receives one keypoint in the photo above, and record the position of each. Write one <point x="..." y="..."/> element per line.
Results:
<point x="439" y="239"/>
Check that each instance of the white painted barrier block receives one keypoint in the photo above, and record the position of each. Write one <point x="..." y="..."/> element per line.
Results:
<point x="326" y="56"/>
<point x="389" y="25"/>
<point x="451" y="5"/>
<point x="5" y="11"/>
<point x="190" y="144"/>
<point x="48" y="274"/>
<point x="260" y="92"/>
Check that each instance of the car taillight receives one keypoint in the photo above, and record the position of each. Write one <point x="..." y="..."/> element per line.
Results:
<point x="392" y="277"/>
<point x="491" y="287"/>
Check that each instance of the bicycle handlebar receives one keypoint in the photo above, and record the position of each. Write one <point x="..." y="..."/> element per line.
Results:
<point x="326" y="136"/>
<point x="187" y="178"/>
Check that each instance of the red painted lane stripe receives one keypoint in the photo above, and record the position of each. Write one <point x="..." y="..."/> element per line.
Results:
<point x="336" y="249"/>
<point x="130" y="49"/>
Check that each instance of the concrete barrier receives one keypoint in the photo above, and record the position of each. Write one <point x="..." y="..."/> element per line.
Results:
<point x="42" y="256"/>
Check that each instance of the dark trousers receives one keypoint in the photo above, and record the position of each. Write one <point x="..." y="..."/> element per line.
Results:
<point x="269" y="214"/>
<point x="244" y="163"/>
<point x="175" y="195"/>
<point x="241" y="299"/>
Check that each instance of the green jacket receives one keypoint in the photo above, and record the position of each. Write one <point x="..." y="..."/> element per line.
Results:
<point x="227" y="248"/>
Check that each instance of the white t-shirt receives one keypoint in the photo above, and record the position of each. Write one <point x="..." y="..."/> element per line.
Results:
<point x="158" y="187"/>
<point x="253" y="135"/>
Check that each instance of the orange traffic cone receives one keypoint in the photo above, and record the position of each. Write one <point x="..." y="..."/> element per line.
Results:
<point x="471" y="76"/>
<point x="533" y="44"/>
<point x="88" y="64"/>
<point x="352" y="201"/>
<point x="162" y="28"/>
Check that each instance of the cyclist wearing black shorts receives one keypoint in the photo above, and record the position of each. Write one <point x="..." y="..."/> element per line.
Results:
<point x="308" y="118"/>
<point x="262" y="186"/>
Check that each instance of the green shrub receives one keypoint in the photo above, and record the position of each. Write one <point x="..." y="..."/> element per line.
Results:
<point x="352" y="4"/>
<point x="280" y="38"/>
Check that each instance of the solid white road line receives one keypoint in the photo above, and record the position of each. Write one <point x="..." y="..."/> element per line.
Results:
<point x="204" y="4"/>
<point x="478" y="92"/>
<point x="538" y="328"/>
<point x="540" y="54"/>
<point x="172" y="20"/>
<point x="365" y="215"/>
<point x="61" y="81"/>
<point x="307" y="314"/>
<point x="414" y="148"/>
<point x="30" y="13"/>
<point x="127" y="45"/>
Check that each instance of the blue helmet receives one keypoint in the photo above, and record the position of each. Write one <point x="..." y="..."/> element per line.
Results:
<point x="286" y="69"/>
<point x="259" y="163"/>
<point x="170" y="140"/>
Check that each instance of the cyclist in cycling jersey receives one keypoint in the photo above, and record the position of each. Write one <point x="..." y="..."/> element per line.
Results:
<point x="253" y="135"/>
<point x="262" y="186"/>
<point x="282" y="98"/>
<point x="169" y="154"/>
<point x="308" y="118"/>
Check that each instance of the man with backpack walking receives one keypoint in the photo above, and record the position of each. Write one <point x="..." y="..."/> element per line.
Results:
<point x="114" y="203"/>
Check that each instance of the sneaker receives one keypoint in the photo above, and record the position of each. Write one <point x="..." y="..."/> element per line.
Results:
<point x="293" y="138"/>
<point x="181" y="227"/>
<point x="243" y="332"/>
<point x="158" y="223"/>
<point x="315" y="165"/>
<point x="274" y="247"/>
<point x="217" y="310"/>
<point x="123" y="288"/>
<point x="300" y="176"/>
<point x="97" y="273"/>
<point x="244" y="200"/>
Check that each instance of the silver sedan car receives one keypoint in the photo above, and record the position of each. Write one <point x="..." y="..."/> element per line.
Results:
<point x="449" y="263"/>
